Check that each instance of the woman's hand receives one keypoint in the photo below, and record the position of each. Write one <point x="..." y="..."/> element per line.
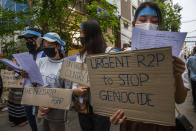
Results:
<point x="81" y="91"/>
<point x="118" y="117"/>
<point x="43" y="110"/>
<point x="24" y="74"/>
<point x="179" y="66"/>
<point x="180" y="90"/>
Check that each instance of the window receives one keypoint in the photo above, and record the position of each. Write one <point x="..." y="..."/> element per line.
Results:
<point x="133" y="11"/>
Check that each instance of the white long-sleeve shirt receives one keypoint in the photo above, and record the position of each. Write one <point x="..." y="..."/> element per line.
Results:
<point x="50" y="71"/>
<point x="185" y="76"/>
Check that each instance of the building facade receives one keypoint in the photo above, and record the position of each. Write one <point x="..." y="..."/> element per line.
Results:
<point x="11" y="5"/>
<point x="126" y="9"/>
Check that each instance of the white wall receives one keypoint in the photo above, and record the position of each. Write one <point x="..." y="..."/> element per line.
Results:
<point x="126" y="33"/>
<point x="134" y="3"/>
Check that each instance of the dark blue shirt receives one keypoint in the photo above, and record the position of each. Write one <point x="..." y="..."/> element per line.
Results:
<point x="191" y="64"/>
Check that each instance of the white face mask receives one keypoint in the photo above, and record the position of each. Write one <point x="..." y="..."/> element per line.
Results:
<point x="147" y="26"/>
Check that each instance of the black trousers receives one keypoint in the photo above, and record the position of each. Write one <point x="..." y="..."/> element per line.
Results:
<point x="193" y="84"/>
<point x="94" y="122"/>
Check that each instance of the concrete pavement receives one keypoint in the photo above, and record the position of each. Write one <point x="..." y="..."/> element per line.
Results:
<point x="73" y="124"/>
<point x="187" y="109"/>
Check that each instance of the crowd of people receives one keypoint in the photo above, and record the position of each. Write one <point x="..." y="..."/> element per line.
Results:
<point x="48" y="52"/>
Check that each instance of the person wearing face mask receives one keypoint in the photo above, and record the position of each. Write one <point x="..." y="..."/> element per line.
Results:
<point x="18" y="114"/>
<point x="93" y="42"/>
<point x="34" y="44"/>
<point x="148" y="17"/>
<point x="50" y="119"/>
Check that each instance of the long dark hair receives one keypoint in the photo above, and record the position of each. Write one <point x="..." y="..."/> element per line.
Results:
<point x="149" y="5"/>
<point x="94" y="42"/>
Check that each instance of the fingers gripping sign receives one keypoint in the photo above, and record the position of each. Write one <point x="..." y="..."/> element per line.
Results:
<point x="118" y="117"/>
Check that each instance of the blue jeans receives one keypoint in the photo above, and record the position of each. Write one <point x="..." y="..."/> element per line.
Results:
<point x="31" y="117"/>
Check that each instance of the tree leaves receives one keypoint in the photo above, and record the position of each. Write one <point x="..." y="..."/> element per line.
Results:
<point x="171" y="16"/>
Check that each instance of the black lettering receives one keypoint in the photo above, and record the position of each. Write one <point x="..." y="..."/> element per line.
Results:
<point x="109" y="95"/>
<point x="152" y="56"/>
<point x="160" y="58"/>
<point x="140" y="60"/>
<point x="93" y="66"/>
<point x="134" y="79"/>
<point x="117" y="96"/>
<point x="111" y="62"/>
<point x="129" y="97"/>
<point x="123" y="81"/>
<point x="148" y="100"/>
<point x="102" y="95"/>
<point x="98" y="62"/>
<point x="143" y="78"/>
<point x="106" y="65"/>
<point x="118" y="62"/>
<point x="127" y="61"/>
<point x="124" y="97"/>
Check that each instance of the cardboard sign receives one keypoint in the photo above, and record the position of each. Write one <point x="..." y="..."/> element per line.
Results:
<point x="139" y="82"/>
<point x="75" y="72"/>
<point x="10" y="81"/>
<point x="57" y="98"/>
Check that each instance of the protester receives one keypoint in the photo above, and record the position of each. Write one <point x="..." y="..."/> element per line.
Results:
<point x="52" y="119"/>
<point x="16" y="112"/>
<point x="35" y="47"/>
<point x="148" y="17"/>
<point x="191" y="64"/>
<point x="34" y="43"/>
<point x="92" y="43"/>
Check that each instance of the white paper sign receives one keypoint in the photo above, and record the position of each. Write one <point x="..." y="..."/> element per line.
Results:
<point x="147" y="39"/>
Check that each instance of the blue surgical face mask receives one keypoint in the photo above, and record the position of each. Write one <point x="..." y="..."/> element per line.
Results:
<point x="147" y="26"/>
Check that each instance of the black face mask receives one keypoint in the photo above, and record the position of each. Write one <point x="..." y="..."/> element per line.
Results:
<point x="31" y="47"/>
<point x="50" y="52"/>
<point x="82" y="40"/>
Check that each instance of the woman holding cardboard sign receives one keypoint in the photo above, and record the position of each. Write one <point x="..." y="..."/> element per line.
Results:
<point x="148" y="17"/>
<point x="50" y="119"/>
<point x="93" y="43"/>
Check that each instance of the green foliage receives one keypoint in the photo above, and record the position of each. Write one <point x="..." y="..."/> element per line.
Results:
<point x="55" y="16"/>
<point x="171" y="16"/>
<point x="58" y="16"/>
<point x="106" y="18"/>
<point x="10" y="23"/>
<point x="10" y="48"/>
